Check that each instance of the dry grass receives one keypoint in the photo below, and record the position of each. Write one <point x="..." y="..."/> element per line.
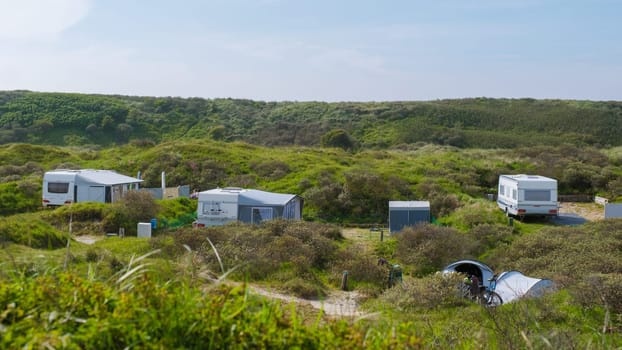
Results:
<point x="589" y="211"/>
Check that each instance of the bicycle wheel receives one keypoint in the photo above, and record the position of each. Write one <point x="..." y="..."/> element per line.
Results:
<point x="493" y="299"/>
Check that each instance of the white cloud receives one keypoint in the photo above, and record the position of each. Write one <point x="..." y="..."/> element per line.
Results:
<point x="35" y="19"/>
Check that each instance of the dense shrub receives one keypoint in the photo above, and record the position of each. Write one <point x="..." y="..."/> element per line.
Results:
<point x="338" y="138"/>
<point x="600" y="289"/>
<point x="488" y="236"/>
<point x="67" y="311"/>
<point x="429" y="248"/>
<point x="289" y="248"/>
<point x="272" y="170"/>
<point x="474" y="214"/>
<point x="27" y="230"/>
<point x="434" y="291"/>
<point x="363" y="271"/>
<point x="135" y="207"/>
<point x="85" y="211"/>
<point x="19" y="197"/>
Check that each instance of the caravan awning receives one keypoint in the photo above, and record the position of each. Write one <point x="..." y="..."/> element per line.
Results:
<point x="257" y="197"/>
<point x="106" y="177"/>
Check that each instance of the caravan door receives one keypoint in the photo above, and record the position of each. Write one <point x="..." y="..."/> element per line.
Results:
<point x="97" y="194"/>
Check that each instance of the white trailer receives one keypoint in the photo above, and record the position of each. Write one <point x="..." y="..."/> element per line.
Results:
<point x="527" y="195"/>
<point x="62" y="186"/>
<point x="220" y="206"/>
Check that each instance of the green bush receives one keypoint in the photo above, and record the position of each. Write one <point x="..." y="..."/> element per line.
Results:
<point x="363" y="271"/>
<point x="67" y="311"/>
<point x="85" y="211"/>
<point x="135" y="207"/>
<point x="19" y="197"/>
<point x="27" y="229"/>
<point x="434" y="291"/>
<point x="429" y="248"/>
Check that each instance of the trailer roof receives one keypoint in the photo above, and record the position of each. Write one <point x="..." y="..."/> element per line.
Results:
<point x="104" y="177"/>
<point x="409" y="204"/>
<point x="253" y="197"/>
<point x="524" y="177"/>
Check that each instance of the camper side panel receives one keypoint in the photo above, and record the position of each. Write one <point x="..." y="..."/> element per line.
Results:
<point x="507" y="196"/>
<point x="216" y="209"/>
<point x="58" y="189"/>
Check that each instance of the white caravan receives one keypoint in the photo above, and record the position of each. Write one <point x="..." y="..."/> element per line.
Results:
<point x="527" y="195"/>
<point x="62" y="186"/>
<point x="220" y="206"/>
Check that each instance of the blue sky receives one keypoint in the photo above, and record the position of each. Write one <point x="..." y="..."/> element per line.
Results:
<point x="278" y="50"/>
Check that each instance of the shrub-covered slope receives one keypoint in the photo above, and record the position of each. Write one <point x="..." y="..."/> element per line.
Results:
<point x="76" y="119"/>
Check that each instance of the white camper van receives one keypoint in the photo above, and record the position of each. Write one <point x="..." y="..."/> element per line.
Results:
<point x="527" y="195"/>
<point x="62" y="186"/>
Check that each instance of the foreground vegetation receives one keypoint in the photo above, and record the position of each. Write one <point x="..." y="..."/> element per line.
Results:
<point x="182" y="290"/>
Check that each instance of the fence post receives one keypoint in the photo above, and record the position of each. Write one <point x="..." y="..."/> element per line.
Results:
<point x="344" y="281"/>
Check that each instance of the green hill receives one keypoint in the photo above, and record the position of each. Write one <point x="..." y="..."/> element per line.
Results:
<point x="79" y="119"/>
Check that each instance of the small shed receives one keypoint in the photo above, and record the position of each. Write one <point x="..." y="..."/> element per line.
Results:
<point x="222" y="205"/>
<point x="407" y="213"/>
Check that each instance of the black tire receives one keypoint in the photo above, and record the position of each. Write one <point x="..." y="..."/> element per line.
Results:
<point x="493" y="299"/>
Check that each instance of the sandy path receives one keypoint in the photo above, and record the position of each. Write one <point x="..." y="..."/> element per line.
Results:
<point x="86" y="239"/>
<point x="337" y="303"/>
<point x="588" y="211"/>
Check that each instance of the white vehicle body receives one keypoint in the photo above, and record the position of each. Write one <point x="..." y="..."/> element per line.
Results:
<point x="220" y="206"/>
<point x="61" y="187"/>
<point x="527" y="195"/>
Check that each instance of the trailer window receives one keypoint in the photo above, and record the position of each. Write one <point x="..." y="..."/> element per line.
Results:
<point x="212" y="208"/>
<point x="538" y="195"/>
<point x="514" y="194"/>
<point x="58" y="187"/>
<point x="502" y="190"/>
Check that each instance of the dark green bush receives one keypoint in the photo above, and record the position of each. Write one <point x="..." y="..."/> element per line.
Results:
<point x="19" y="197"/>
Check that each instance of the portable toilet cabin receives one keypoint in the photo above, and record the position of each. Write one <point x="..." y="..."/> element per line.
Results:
<point x="222" y="205"/>
<point x="407" y="213"/>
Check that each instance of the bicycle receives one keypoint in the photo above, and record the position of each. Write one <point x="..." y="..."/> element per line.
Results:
<point x="491" y="298"/>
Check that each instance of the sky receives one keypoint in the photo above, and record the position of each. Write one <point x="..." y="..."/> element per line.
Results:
<point x="315" y="50"/>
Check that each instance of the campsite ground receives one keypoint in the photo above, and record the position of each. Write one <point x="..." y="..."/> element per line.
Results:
<point x="588" y="211"/>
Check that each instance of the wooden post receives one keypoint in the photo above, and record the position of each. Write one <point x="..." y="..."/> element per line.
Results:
<point x="344" y="281"/>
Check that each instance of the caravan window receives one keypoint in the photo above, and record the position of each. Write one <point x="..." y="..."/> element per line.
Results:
<point x="514" y="194"/>
<point x="211" y="208"/>
<point x="501" y="190"/>
<point x="58" y="187"/>
<point x="538" y="195"/>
